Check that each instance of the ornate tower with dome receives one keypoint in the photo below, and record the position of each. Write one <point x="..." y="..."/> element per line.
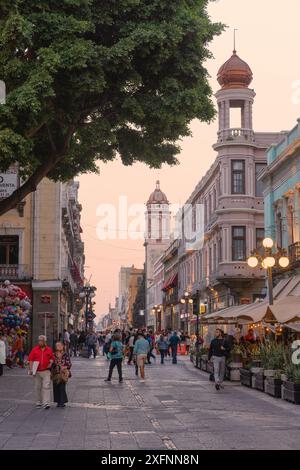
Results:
<point x="157" y="234"/>
<point x="232" y="197"/>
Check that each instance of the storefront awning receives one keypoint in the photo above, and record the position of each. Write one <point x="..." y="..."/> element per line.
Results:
<point x="286" y="306"/>
<point x="170" y="282"/>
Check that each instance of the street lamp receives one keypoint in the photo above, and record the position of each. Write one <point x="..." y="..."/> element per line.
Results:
<point x="87" y="294"/>
<point x="156" y="311"/>
<point x="187" y="300"/>
<point x="268" y="261"/>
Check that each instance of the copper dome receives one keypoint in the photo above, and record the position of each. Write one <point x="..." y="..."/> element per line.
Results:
<point x="157" y="197"/>
<point x="235" y="73"/>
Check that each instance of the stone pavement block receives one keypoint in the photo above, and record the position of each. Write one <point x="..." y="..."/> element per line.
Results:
<point x="18" y="443"/>
<point x="175" y="403"/>
<point x="4" y="438"/>
<point x="123" y="442"/>
<point x="94" y="442"/>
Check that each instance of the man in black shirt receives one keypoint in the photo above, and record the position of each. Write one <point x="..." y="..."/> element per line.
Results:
<point x="218" y="351"/>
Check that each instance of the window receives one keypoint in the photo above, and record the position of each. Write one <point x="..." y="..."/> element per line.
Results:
<point x="200" y="266"/>
<point x="194" y="218"/>
<point x="9" y="250"/>
<point x="238" y="243"/>
<point x="220" y="256"/>
<point x="259" y="187"/>
<point x="279" y="230"/>
<point x="215" y="257"/>
<point x="214" y="199"/>
<point x="238" y="177"/>
<point x="260" y="235"/>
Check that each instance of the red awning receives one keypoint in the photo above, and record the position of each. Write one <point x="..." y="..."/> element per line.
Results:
<point x="170" y="282"/>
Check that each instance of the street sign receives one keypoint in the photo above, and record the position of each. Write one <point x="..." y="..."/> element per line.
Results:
<point x="46" y="315"/>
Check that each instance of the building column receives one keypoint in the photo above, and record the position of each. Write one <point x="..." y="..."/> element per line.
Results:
<point x="227" y="114"/>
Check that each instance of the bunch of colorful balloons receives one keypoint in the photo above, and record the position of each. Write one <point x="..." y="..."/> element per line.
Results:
<point x="15" y="308"/>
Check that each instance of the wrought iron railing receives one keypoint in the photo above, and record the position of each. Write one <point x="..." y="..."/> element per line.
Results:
<point x="236" y="134"/>
<point x="13" y="272"/>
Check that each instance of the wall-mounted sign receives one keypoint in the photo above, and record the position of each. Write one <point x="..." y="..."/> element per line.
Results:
<point x="46" y="315"/>
<point x="8" y="183"/>
<point x="45" y="299"/>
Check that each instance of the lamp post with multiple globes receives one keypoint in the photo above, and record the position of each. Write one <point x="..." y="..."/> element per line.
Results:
<point x="157" y="312"/>
<point x="187" y="300"/>
<point x="86" y="295"/>
<point x="268" y="260"/>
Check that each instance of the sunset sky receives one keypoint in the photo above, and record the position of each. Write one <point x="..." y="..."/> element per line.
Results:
<point x="268" y="40"/>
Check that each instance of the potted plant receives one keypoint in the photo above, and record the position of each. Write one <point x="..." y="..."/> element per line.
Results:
<point x="273" y="385"/>
<point x="237" y="353"/>
<point x="246" y="375"/>
<point x="291" y="387"/>
<point x="272" y="358"/>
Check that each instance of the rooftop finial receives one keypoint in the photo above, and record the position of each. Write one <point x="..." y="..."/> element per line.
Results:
<point x="234" y="41"/>
<point x="157" y="184"/>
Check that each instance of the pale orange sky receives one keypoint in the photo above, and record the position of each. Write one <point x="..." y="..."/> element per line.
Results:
<point x="268" y="39"/>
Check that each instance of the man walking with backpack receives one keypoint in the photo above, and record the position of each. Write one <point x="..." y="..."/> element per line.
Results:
<point x="174" y="341"/>
<point x="218" y="351"/>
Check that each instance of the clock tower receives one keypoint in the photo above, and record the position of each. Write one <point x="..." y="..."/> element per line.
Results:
<point x="157" y="235"/>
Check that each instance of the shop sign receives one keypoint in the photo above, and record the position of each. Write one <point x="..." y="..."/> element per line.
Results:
<point x="8" y="183"/>
<point x="45" y="299"/>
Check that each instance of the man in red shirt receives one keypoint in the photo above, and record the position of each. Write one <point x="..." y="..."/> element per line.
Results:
<point x="44" y="356"/>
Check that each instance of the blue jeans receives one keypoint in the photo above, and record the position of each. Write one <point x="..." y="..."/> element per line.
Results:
<point x="92" y="347"/>
<point x="162" y="355"/>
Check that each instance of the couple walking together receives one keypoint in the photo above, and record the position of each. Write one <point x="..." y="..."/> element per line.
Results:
<point x="47" y="366"/>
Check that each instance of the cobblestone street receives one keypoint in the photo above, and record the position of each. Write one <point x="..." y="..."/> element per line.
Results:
<point x="176" y="408"/>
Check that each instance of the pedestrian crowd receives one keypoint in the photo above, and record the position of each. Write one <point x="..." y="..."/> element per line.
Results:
<point x="136" y="347"/>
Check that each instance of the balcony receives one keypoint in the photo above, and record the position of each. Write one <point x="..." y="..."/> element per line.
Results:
<point x="14" y="272"/>
<point x="236" y="135"/>
<point x="294" y="253"/>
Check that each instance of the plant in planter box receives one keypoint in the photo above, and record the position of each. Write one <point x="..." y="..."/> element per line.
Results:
<point x="273" y="385"/>
<point x="291" y="387"/>
<point x="272" y="358"/>
<point x="237" y="353"/>
<point x="246" y="375"/>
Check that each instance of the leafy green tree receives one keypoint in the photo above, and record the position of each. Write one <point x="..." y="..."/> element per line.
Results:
<point x="91" y="80"/>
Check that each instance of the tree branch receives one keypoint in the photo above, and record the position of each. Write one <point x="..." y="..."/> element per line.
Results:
<point x="41" y="172"/>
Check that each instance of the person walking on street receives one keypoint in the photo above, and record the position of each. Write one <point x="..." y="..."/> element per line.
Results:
<point x="2" y="353"/>
<point x="162" y="346"/>
<point x="116" y="357"/>
<point x="141" y="350"/>
<point x="217" y="353"/>
<point x="187" y="343"/>
<point x="67" y="341"/>
<point x="131" y="347"/>
<point x="60" y="374"/>
<point x="18" y="350"/>
<point x="92" y="341"/>
<point x="150" y="339"/>
<point x="106" y="345"/>
<point x="174" y="341"/>
<point x="81" y="341"/>
<point x="73" y="343"/>
<point x="43" y="356"/>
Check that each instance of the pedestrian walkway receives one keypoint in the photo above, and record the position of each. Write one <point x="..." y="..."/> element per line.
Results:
<point x="175" y="408"/>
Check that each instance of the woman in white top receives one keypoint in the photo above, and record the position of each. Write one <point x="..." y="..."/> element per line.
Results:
<point x="2" y="354"/>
